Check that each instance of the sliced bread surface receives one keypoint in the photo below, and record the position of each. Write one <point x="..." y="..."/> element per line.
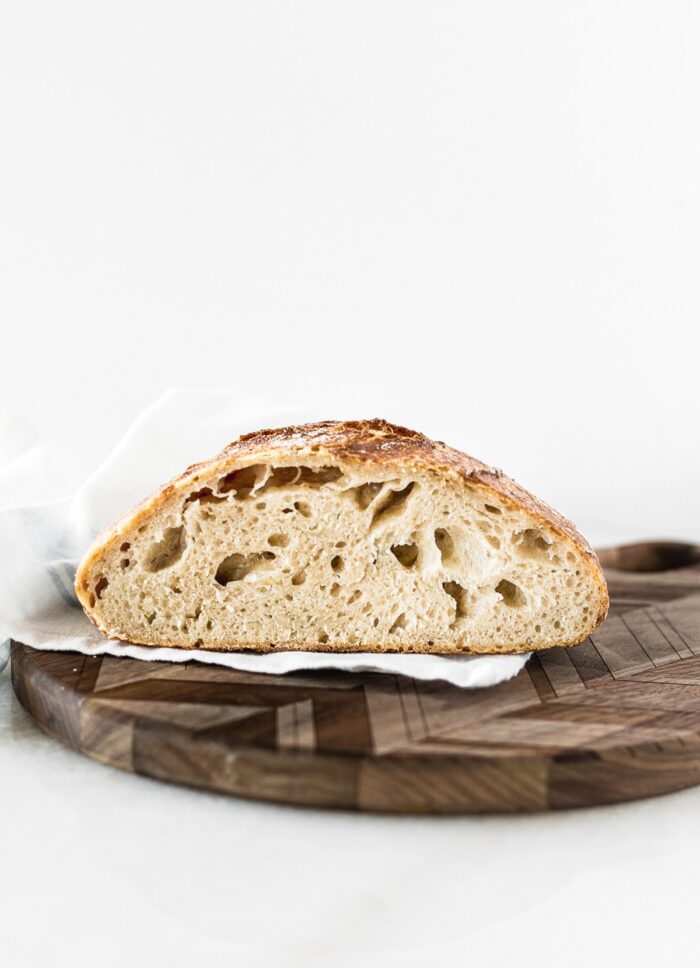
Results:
<point x="353" y="536"/>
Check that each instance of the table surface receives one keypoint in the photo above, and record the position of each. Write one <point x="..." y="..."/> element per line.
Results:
<point x="477" y="219"/>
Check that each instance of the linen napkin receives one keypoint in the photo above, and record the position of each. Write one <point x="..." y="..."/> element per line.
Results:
<point x="42" y="541"/>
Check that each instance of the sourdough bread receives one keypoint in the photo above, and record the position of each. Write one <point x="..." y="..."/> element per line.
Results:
<point x="355" y="536"/>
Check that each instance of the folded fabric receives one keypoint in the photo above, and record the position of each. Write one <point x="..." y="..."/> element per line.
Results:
<point x="41" y="543"/>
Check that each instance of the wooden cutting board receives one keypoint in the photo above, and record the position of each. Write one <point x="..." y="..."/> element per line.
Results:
<point x="615" y="718"/>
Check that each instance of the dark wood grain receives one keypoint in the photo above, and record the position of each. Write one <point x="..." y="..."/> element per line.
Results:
<point x="615" y="718"/>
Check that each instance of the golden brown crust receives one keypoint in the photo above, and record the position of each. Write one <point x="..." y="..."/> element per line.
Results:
<point x="352" y="441"/>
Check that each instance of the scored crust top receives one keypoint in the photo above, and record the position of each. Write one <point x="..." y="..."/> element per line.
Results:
<point x="360" y="441"/>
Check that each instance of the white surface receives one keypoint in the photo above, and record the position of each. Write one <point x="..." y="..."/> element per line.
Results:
<point x="45" y="542"/>
<point x="482" y="219"/>
<point x="102" y="867"/>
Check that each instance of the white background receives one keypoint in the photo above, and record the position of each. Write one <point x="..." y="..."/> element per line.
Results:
<point x="481" y="219"/>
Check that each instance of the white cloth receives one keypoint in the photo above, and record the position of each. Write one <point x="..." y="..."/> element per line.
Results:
<point x="41" y="543"/>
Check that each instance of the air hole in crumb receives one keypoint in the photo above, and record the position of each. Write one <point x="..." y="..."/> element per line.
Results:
<point x="335" y="589"/>
<point x="366" y="493"/>
<point x="278" y="540"/>
<point x="125" y="546"/>
<point x="210" y="625"/>
<point x="205" y="496"/>
<point x="512" y="596"/>
<point x="125" y="562"/>
<point x="319" y="475"/>
<point x="281" y="476"/>
<point x="459" y="594"/>
<point x="337" y="564"/>
<point x="405" y="554"/>
<point x="391" y="504"/>
<point x="340" y="544"/>
<point x="305" y="476"/>
<point x="445" y="545"/>
<point x="355" y="596"/>
<point x="165" y="553"/>
<point x="261" y="505"/>
<point x="492" y="509"/>
<point x="303" y="508"/>
<point x="150" y="617"/>
<point x="531" y="543"/>
<point x="538" y="628"/>
<point x="485" y="529"/>
<point x="375" y="623"/>
<point x="557" y="624"/>
<point x="102" y="583"/>
<point x="323" y="638"/>
<point x="236" y="567"/>
<point x="299" y="577"/>
<point x="241" y="481"/>
<point x="399" y="623"/>
<point x="198" y="643"/>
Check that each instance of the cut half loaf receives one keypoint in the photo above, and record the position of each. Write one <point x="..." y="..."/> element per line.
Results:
<point x="357" y="536"/>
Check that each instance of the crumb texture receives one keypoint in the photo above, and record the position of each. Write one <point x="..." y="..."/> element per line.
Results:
<point x="339" y="555"/>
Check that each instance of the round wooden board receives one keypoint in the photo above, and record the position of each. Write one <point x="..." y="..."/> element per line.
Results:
<point x="615" y="718"/>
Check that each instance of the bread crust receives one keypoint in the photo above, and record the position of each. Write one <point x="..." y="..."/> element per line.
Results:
<point x="354" y="442"/>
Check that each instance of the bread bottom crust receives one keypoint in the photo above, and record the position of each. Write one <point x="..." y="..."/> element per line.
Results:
<point x="418" y="649"/>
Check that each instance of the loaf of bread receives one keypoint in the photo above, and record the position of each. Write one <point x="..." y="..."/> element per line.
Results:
<point x="356" y="536"/>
